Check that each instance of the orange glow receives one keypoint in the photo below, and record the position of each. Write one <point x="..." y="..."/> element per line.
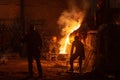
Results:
<point x="54" y="38"/>
<point x="69" y="21"/>
<point x="65" y="41"/>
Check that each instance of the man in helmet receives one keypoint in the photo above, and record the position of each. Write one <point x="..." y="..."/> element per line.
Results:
<point x="79" y="52"/>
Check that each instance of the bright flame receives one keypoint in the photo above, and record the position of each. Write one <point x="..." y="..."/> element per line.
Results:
<point x="69" y="22"/>
<point x="67" y="41"/>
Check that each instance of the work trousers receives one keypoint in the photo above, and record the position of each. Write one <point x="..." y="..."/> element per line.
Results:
<point x="72" y="58"/>
<point x="30" y="65"/>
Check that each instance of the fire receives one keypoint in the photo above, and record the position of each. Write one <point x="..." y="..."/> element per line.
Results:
<point x="65" y="41"/>
<point x="69" y="22"/>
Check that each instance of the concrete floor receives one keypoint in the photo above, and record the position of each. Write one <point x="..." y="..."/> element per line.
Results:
<point x="17" y="69"/>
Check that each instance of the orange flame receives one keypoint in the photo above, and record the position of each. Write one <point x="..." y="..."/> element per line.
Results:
<point x="66" y="41"/>
<point x="69" y="21"/>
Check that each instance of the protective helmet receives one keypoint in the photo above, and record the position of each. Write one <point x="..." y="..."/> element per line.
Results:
<point x="76" y="37"/>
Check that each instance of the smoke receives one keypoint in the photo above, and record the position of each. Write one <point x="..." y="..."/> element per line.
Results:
<point x="75" y="13"/>
<point x="79" y="4"/>
<point x="70" y="20"/>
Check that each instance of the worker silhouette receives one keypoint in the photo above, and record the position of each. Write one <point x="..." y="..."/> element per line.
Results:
<point x="34" y="45"/>
<point x="53" y="49"/>
<point x="79" y="52"/>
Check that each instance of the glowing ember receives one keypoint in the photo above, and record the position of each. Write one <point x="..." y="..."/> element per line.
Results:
<point x="69" y="22"/>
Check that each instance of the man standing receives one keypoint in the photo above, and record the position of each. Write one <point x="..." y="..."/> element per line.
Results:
<point x="79" y="52"/>
<point x="34" y="45"/>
